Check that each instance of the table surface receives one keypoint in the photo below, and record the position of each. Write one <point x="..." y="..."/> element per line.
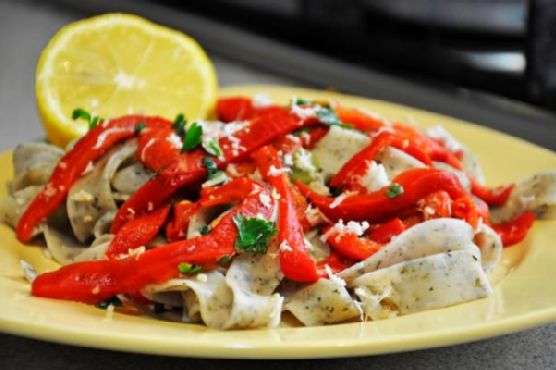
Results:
<point x="25" y="28"/>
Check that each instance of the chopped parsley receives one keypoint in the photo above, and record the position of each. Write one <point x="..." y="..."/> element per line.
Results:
<point x="188" y="268"/>
<point x="253" y="233"/>
<point x="179" y="124"/>
<point x="112" y="301"/>
<point x="138" y="128"/>
<point x="205" y="230"/>
<point x="224" y="261"/>
<point x="325" y="114"/>
<point x="212" y="147"/>
<point x="301" y="131"/>
<point x="212" y="168"/>
<point x="93" y="121"/>
<point x="328" y="116"/>
<point x="192" y="137"/>
<point x="394" y="190"/>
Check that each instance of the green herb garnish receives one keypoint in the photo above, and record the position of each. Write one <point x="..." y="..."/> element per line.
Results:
<point x="394" y="190"/>
<point x="138" y="128"/>
<point x="205" y="229"/>
<point x="253" y="233"/>
<point x="112" y="301"/>
<point x="328" y="116"/>
<point x="193" y="137"/>
<point x="210" y="165"/>
<point x="179" y="124"/>
<point x="93" y="121"/>
<point x="212" y="147"/>
<point x="224" y="261"/>
<point x="188" y="268"/>
<point x="301" y="132"/>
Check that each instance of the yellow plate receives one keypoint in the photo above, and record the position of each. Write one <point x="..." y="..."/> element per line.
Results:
<point x="524" y="295"/>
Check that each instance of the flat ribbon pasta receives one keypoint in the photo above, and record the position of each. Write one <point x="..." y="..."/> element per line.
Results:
<point x="536" y="193"/>
<point x="33" y="163"/>
<point x="424" y="239"/>
<point x="91" y="196"/>
<point x="421" y="284"/>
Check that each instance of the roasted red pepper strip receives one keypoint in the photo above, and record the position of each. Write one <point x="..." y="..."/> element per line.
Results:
<point x="240" y="109"/>
<point x="434" y="150"/>
<point x="514" y="231"/>
<point x="262" y="131"/>
<point x="358" y="164"/>
<point x="137" y="233"/>
<point x="295" y="262"/>
<point x="353" y="247"/>
<point x="88" y="149"/>
<point x="176" y="229"/>
<point x="377" y="206"/>
<point x="233" y="191"/>
<point x="156" y="148"/>
<point x="465" y="208"/>
<point x="495" y="196"/>
<point x="360" y="120"/>
<point x="186" y="169"/>
<point x="335" y="262"/>
<point x="95" y="281"/>
<point x="436" y="205"/>
<point x="383" y="233"/>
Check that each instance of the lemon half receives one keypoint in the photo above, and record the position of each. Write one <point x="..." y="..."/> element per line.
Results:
<point x="117" y="64"/>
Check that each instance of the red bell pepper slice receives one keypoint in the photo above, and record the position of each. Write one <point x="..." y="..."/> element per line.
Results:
<point x="514" y="231"/>
<point x="495" y="196"/>
<point x="239" y="109"/>
<point x="186" y="169"/>
<point x="71" y="166"/>
<point x="295" y="261"/>
<point x="335" y="262"/>
<point x="377" y="206"/>
<point x="262" y="131"/>
<point x="233" y="191"/>
<point x="434" y="150"/>
<point x="436" y="205"/>
<point x="155" y="148"/>
<point x="358" y="164"/>
<point x="465" y="208"/>
<point x="137" y="233"/>
<point x="176" y="229"/>
<point x="95" y="281"/>
<point x="353" y="247"/>
<point x="383" y="233"/>
<point x="360" y="120"/>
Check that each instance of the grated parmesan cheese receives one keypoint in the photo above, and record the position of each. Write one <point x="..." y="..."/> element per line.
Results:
<point x="285" y="247"/>
<point x="352" y="227"/>
<point x="265" y="199"/>
<point x="175" y="140"/>
<point x="273" y="171"/>
<point x="146" y="147"/>
<point x="333" y="277"/>
<point x="104" y="135"/>
<point x="29" y="271"/>
<point x="202" y="278"/>
<point x="375" y="177"/>
<point x="87" y="169"/>
<point x="340" y="198"/>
